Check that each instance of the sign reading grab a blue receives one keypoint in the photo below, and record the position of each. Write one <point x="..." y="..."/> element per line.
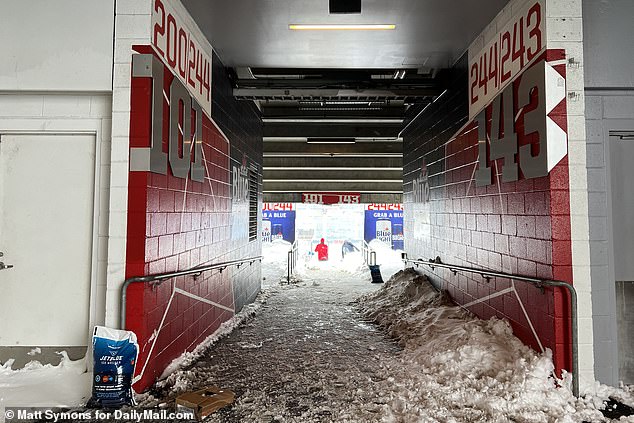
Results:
<point x="278" y="222"/>
<point x="385" y="223"/>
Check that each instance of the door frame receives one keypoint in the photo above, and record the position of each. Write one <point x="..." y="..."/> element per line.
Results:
<point x="610" y="125"/>
<point x="59" y="127"/>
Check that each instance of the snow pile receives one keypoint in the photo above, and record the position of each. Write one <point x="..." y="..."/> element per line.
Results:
<point x="274" y="261"/>
<point x="460" y="368"/>
<point x="390" y="260"/>
<point x="36" y="385"/>
<point x="353" y="265"/>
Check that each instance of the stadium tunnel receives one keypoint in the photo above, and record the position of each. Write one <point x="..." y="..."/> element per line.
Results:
<point x="147" y="145"/>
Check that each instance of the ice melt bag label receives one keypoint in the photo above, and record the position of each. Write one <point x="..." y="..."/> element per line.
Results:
<point x="115" y="353"/>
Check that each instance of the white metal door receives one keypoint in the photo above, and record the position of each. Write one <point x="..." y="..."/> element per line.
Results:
<point x="46" y="226"/>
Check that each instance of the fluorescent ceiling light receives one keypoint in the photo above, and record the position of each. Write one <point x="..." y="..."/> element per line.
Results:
<point x="299" y="155"/>
<point x="330" y="27"/>
<point x="331" y="168"/>
<point x="335" y="181"/>
<point x="337" y="103"/>
<point x="330" y="141"/>
<point x="304" y="139"/>
<point x="338" y="191"/>
<point x="284" y="139"/>
<point x="318" y="120"/>
<point x="339" y="109"/>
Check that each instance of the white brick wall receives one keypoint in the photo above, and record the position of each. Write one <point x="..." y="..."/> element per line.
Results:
<point x="605" y="110"/>
<point x="132" y="26"/>
<point x="59" y="46"/>
<point x="564" y="29"/>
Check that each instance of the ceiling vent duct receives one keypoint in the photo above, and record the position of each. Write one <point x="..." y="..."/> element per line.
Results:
<point x="345" y="6"/>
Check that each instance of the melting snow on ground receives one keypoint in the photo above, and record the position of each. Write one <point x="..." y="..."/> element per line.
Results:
<point x="274" y="259"/>
<point x="275" y="262"/>
<point x="452" y="366"/>
<point x="304" y="352"/>
<point x="172" y="375"/>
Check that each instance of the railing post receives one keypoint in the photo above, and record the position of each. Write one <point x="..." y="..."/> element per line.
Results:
<point x="295" y="254"/>
<point x="288" y="267"/>
<point x="575" y="336"/>
<point x="367" y="253"/>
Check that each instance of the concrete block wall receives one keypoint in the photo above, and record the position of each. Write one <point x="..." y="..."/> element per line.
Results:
<point x="61" y="83"/>
<point x="67" y="113"/>
<point x="609" y="105"/>
<point x="56" y="47"/>
<point x="132" y="27"/>
<point x="603" y="297"/>
<point x="520" y="227"/>
<point x="565" y="32"/>
<point x="160" y="223"/>
<point x="241" y="123"/>
<point x="525" y="227"/>
<point x="176" y="224"/>
<point x="605" y="110"/>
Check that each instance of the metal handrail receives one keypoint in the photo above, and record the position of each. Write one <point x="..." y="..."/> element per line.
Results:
<point x="291" y="261"/>
<point x="158" y="278"/>
<point x="539" y="283"/>
<point x="369" y="255"/>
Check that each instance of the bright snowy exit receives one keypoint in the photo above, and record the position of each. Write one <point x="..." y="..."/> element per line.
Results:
<point x="317" y="211"/>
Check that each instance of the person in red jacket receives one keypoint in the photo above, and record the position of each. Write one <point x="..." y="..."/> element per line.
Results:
<point x="322" y="251"/>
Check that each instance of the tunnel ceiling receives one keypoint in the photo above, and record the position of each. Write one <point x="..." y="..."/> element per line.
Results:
<point x="334" y="102"/>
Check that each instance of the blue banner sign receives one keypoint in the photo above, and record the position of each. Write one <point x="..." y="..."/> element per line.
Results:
<point x="385" y="223"/>
<point x="278" y="222"/>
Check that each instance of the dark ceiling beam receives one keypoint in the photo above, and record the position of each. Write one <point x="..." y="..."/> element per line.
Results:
<point x="296" y="197"/>
<point x="375" y="174"/>
<point x="336" y="103"/>
<point x="342" y="186"/>
<point x="332" y="93"/>
<point x="331" y="130"/>
<point x="341" y="83"/>
<point x="299" y="148"/>
<point x="321" y="72"/>
<point x="339" y="112"/>
<point x="336" y="161"/>
<point x="411" y="73"/>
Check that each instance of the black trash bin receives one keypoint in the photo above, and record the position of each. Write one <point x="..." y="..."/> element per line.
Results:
<point x="376" y="273"/>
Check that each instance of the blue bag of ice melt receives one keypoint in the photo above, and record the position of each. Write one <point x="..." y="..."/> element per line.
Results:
<point x="114" y="355"/>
